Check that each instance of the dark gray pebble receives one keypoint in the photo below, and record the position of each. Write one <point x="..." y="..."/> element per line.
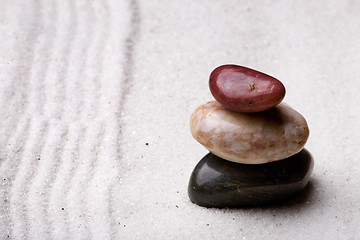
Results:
<point x="216" y="182"/>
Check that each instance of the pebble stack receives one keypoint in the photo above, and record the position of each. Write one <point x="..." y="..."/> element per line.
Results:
<point x="256" y="142"/>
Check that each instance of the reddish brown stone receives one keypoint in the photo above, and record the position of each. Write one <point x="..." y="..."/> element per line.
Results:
<point x="243" y="89"/>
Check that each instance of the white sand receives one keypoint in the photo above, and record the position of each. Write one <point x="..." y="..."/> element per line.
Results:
<point x="84" y="85"/>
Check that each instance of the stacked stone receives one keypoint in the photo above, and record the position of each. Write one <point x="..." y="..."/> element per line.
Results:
<point x="255" y="142"/>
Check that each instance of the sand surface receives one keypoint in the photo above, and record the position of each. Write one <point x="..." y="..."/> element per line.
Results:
<point x="96" y="98"/>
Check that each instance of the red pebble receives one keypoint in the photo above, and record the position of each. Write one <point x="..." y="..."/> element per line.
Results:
<point x="245" y="90"/>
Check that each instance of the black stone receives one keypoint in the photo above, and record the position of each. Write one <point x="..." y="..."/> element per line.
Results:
<point x="216" y="182"/>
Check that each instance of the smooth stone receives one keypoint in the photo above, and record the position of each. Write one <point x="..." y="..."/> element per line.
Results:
<point x="216" y="182"/>
<point x="245" y="90"/>
<point x="250" y="138"/>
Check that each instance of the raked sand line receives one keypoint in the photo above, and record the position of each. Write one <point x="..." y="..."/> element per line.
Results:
<point x="103" y="171"/>
<point x="125" y="90"/>
<point x="55" y="88"/>
<point x="78" y="130"/>
<point x="58" y="204"/>
<point x="16" y="132"/>
<point x="70" y="31"/>
<point x="79" y="137"/>
<point x="39" y="128"/>
<point x="78" y="212"/>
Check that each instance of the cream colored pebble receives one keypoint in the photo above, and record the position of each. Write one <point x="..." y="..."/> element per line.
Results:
<point x="250" y="138"/>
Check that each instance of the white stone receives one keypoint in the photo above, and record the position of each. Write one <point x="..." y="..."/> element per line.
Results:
<point x="250" y="138"/>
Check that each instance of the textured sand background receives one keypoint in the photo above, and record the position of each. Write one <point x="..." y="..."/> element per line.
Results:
<point x="84" y="85"/>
